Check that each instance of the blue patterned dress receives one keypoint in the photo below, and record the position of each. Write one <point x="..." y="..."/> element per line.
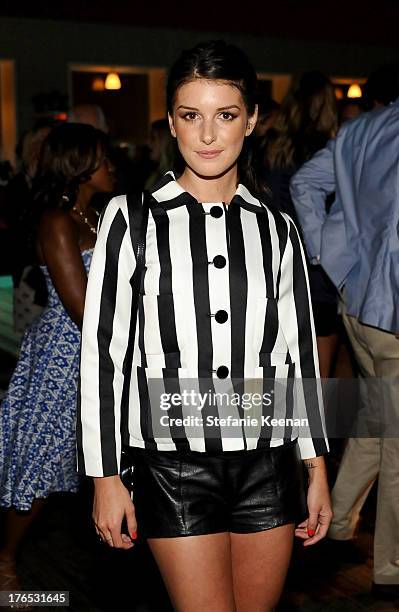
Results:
<point x="37" y="415"/>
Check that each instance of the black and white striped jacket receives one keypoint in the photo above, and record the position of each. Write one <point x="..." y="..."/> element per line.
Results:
<point x="224" y="298"/>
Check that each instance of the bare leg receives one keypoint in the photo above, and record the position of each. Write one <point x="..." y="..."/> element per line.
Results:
<point x="345" y="366"/>
<point x="260" y="564"/>
<point x="196" y="571"/>
<point x="17" y="525"/>
<point x="327" y="348"/>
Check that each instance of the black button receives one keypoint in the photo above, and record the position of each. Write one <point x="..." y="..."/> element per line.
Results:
<point x="219" y="261"/>
<point x="222" y="372"/>
<point x="221" y="316"/>
<point x="216" y="211"/>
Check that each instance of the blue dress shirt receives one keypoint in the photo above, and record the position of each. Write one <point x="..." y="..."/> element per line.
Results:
<point x="357" y="243"/>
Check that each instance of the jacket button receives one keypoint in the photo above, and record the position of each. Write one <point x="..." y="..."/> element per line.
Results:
<point x="216" y="211"/>
<point x="222" y="372"/>
<point x="219" y="261"/>
<point x="221" y="316"/>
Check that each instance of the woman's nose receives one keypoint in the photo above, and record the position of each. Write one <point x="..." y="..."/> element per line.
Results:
<point x="208" y="133"/>
<point x="110" y="166"/>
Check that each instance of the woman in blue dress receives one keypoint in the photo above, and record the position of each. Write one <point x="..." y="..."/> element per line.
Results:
<point x="37" y="415"/>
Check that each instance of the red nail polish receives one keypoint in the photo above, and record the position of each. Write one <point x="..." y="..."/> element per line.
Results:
<point x="134" y="535"/>
<point x="311" y="532"/>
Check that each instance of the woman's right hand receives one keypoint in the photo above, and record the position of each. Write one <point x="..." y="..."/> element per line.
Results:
<point x="112" y="503"/>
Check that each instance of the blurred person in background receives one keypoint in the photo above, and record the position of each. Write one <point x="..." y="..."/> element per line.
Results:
<point x="29" y="293"/>
<point x="37" y="416"/>
<point x="381" y="88"/>
<point x="349" y="108"/>
<point x="357" y="244"/>
<point x="89" y="114"/>
<point x="130" y="174"/>
<point x="162" y="151"/>
<point x="267" y="114"/>
<point x="305" y="122"/>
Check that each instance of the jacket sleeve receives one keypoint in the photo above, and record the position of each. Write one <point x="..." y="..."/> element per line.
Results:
<point x="104" y="343"/>
<point x="309" y="188"/>
<point x="296" y="317"/>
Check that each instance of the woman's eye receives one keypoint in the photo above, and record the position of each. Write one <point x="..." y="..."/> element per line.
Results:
<point x="227" y="116"/>
<point x="190" y="116"/>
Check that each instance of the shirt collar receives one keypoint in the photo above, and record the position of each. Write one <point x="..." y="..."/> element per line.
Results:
<point x="169" y="194"/>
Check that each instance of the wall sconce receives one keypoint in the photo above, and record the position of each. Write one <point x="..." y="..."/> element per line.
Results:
<point x="112" y="81"/>
<point x="338" y="93"/>
<point x="98" y="84"/>
<point x="354" y="91"/>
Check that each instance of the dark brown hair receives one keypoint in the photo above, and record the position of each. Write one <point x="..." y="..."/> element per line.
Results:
<point x="71" y="153"/>
<point x="218" y="60"/>
<point x="305" y="122"/>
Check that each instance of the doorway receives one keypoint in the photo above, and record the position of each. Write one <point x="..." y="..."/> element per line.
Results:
<point x="129" y="110"/>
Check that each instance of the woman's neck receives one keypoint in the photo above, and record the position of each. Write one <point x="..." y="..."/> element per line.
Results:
<point x="83" y="199"/>
<point x="213" y="189"/>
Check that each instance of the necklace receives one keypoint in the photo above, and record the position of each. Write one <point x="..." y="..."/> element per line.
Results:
<point x="93" y="229"/>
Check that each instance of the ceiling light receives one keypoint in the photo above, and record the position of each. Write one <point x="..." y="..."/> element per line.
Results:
<point x="112" y="81"/>
<point x="354" y="91"/>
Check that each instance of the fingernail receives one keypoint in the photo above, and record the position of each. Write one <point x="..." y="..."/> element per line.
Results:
<point x="311" y="532"/>
<point x="134" y="535"/>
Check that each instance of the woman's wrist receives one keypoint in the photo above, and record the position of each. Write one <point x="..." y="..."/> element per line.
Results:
<point x="316" y="468"/>
<point x="105" y="481"/>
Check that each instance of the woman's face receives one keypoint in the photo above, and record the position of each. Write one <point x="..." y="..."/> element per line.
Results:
<point x="103" y="179"/>
<point x="210" y="122"/>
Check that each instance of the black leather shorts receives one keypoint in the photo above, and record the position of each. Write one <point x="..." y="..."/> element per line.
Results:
<point x="190" y="493"/>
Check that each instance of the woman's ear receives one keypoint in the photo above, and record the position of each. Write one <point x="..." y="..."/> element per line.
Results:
<point x="252" y="121"/>
<point x="171" y="125"/>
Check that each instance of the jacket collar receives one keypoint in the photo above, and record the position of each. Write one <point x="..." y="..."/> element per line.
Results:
<point x="169" y="194"/>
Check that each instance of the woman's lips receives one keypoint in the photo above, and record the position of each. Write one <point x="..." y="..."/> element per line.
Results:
<point x="209" y="154"/>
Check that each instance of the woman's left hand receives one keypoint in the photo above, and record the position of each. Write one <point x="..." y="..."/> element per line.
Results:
<point x="315" y="527"/>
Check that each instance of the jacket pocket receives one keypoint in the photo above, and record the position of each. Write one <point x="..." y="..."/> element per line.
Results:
<point x="161" y="361"/>
<point x="157" y="323"/>
<point x="276" y="372"/>
<point x="160" y="394"/>
<point x="274" y="359"/>
<point x="279" y="398"/>
<point x="277" y="383"/>
<point x="267" y="332"/>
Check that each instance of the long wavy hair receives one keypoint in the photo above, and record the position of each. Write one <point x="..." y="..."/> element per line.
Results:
<point x="305" y="122"/>
<point x="218" y="60"/>
<point x="70" y="155"/>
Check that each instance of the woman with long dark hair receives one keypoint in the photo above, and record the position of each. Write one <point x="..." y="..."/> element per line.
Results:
<point x="303" y="125"/>
<point x="224" y="333"/>
<point x="37" y="416"/>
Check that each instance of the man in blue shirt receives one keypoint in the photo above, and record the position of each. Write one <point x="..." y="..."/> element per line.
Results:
<point x="357" y="244"/>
